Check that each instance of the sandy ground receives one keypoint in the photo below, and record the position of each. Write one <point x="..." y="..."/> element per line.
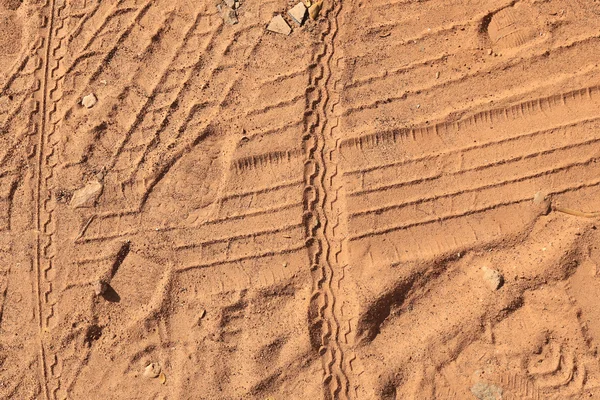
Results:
<point x="398" y="200"/>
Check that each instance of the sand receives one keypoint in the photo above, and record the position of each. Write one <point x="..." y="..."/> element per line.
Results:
<point x="397" y="200"/>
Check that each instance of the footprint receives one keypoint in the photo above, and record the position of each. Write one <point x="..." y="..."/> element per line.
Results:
<point x="513" y="26"/>
<point x="192" y="189"/>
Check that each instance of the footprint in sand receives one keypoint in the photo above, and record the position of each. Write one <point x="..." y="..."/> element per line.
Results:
<point x="190" y="192"/>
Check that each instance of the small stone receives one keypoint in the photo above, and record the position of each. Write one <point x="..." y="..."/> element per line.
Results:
<point x="89" y="101"/>
<point x="278" y="25"/>
<point x="315" y="9"/>
<point x="490" y="51"/>
<point x="437" y="75"/>
<point x="229" y="3"/>
<point x="539" y="197"/>
<point x="493" y="278"/>
<point x="229" y="15"/>
<point x="86" y="195"/>
<point x="100" y="287"/>
<point x="540" y="200"/>
<point x="298" y="13"/>
<point x="201" y="316"/>
<point x="236" y="5"/>
<point x="152" y="370"/>
<point x="486" y="391"/>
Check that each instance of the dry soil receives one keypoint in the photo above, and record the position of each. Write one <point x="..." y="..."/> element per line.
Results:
<point x="398" y="200"/>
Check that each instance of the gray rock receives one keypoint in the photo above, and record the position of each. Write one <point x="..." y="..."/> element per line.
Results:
<point x="493" y="278"/>
<point x="100" y="287"/>
<point x="86" y="195"/>
<point x="541" y="200"/>
<point x="486" y="391"/>
<point x="89" y="101"/>
<point x="229" y="15"/>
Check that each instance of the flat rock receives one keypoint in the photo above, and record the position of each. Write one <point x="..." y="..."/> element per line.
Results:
<point x="89" y="101"/>
<point x="278" y="25"/>
<point x="152" y="370"/>
<point x="86" y="195"/>
<point x="486" y="391"/>
<point x="229" y="15"/>
<point x="539" y="197"/>
<point x="493" y="278"/>
<point x="298" y="13"/>
<point x="229" y="3"/>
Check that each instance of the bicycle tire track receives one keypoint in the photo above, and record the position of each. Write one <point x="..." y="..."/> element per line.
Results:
<point x="321" y="211"/>
<point x="51" y="55"/>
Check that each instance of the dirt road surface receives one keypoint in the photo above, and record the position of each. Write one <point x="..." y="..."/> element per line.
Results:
<point x="397" y="200"/>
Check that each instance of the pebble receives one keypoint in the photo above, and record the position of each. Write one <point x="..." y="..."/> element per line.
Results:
<point x="152" y="370"/>
<point x="229" y="3"/>
<point x="201" y="316"/>
<point x="493" y="278"/>
<point x="89" y="101"/>
<point x="100" y="287"/>
<point x="278" y="25"/>
<point x="539" y="197"/>
<point x="229" y="15"/>
<point x="490" y="51"/>
<point x="540" y="200"/>
<point x="315" y="9"/>
<point x="298" y="13"/>
<point x="86" y="195"/>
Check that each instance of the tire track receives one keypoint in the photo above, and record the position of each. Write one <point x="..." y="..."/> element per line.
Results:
<point x="97" y="52"/>
<point x="41" y="263"/>
<point x="487" y="176"/>
<point x="74" y="362"/>
<point x="490" y="206"/>
<point x="51" y="55"/>
<point x="569" y="107"/>
<point x="321" y="214"/>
